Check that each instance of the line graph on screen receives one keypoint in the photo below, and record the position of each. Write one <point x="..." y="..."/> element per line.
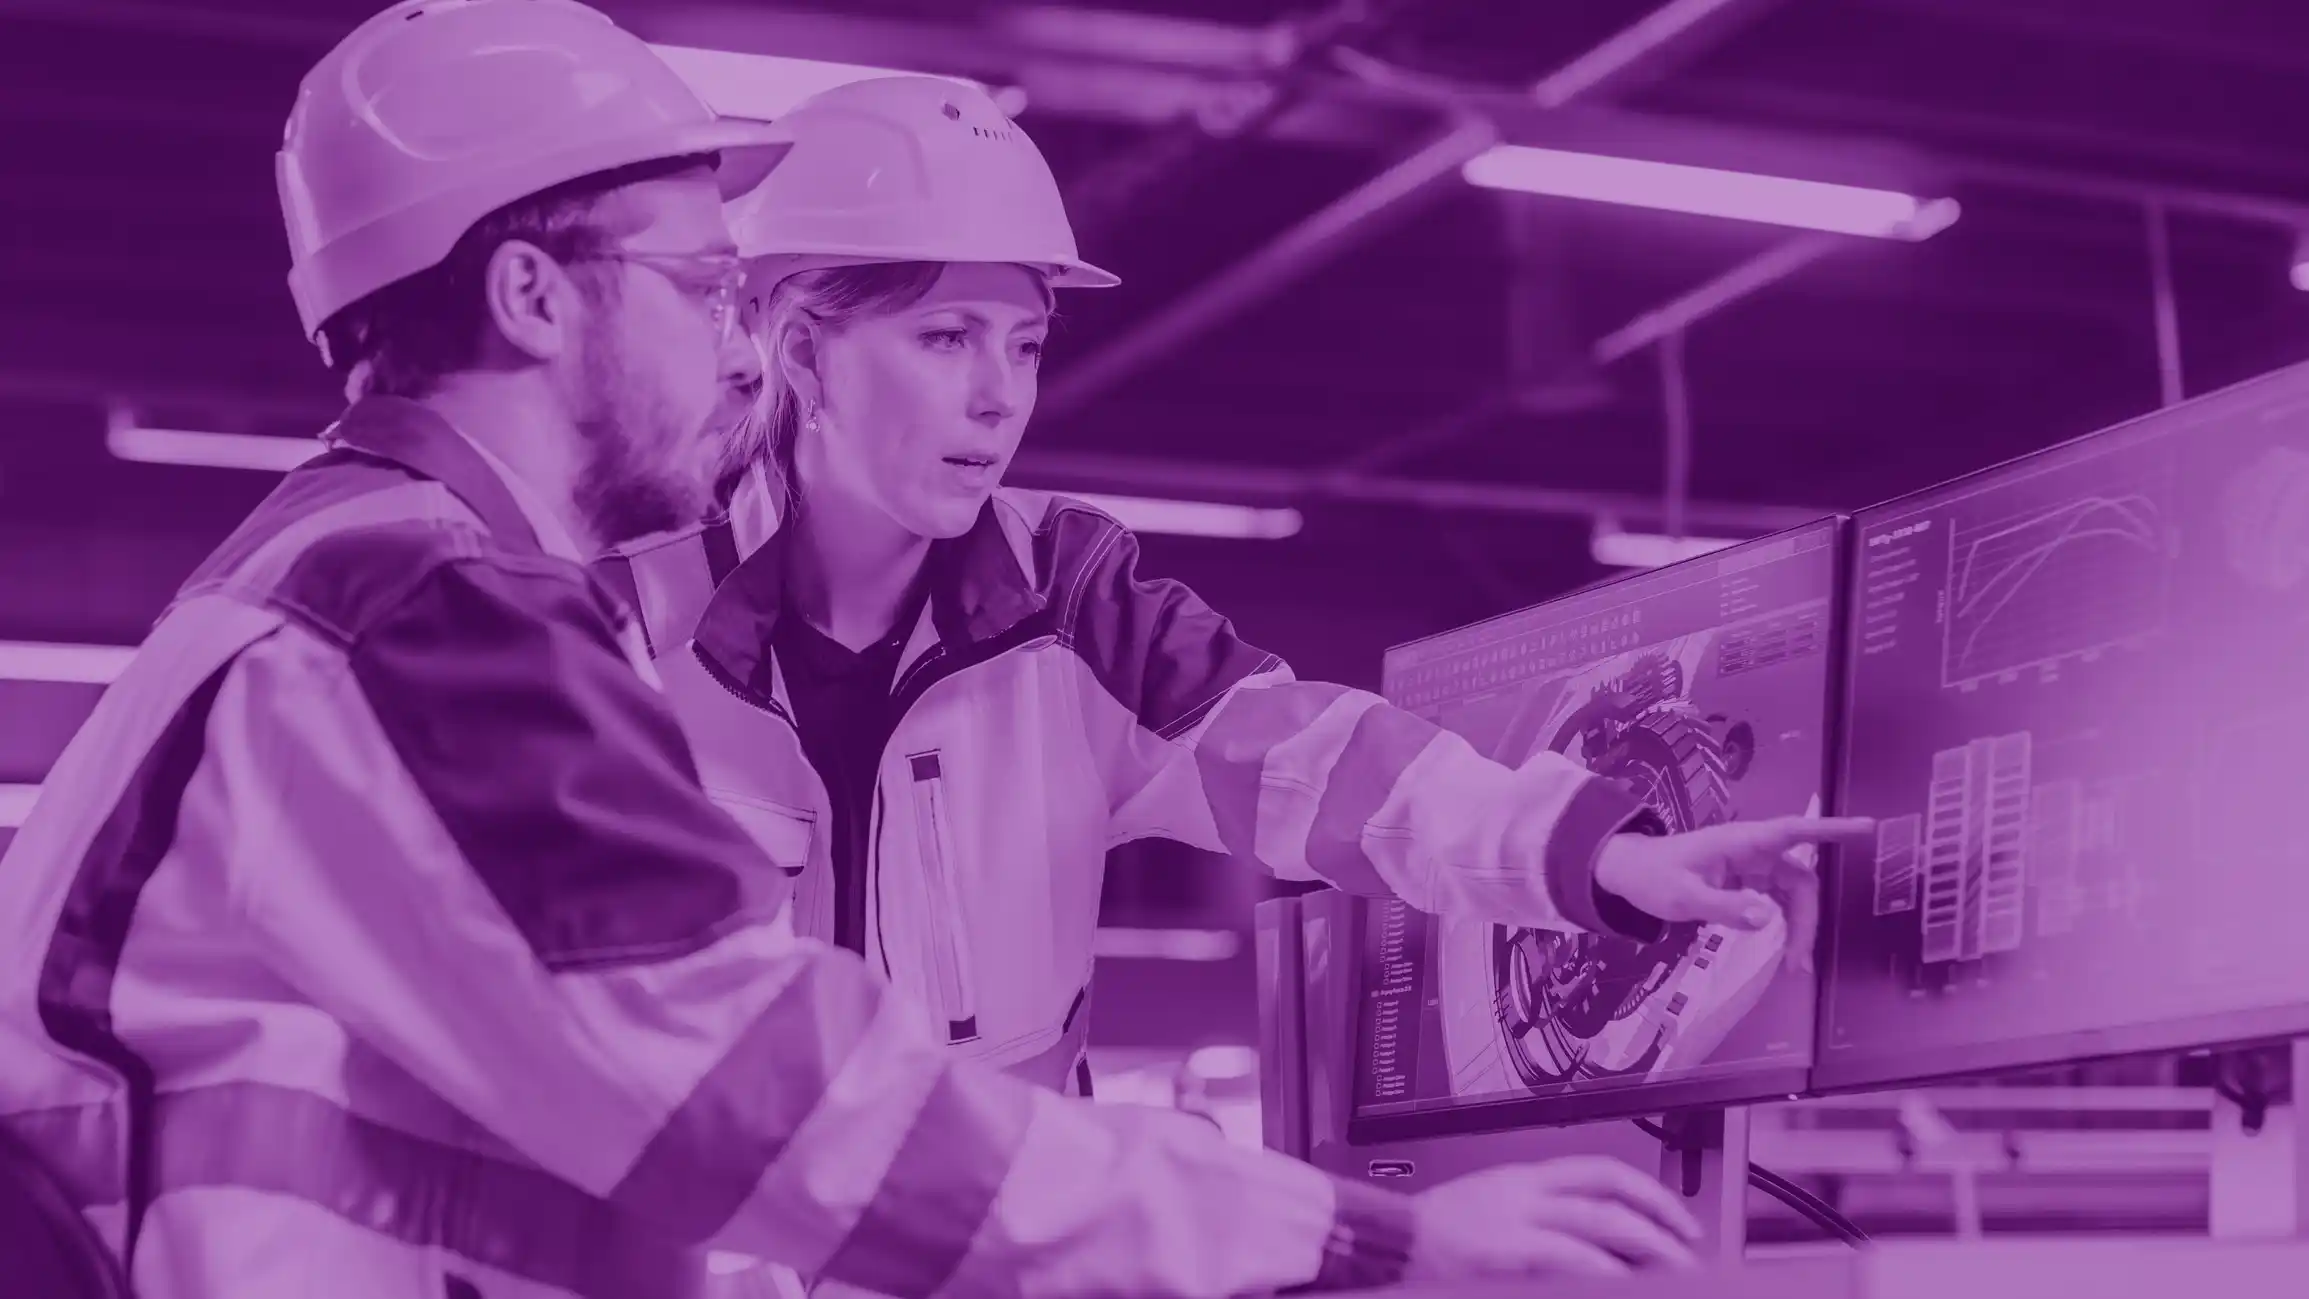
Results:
<point x="2062" y="580"/>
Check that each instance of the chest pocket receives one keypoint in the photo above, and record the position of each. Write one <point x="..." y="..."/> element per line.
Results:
<point x="786" y="835"/>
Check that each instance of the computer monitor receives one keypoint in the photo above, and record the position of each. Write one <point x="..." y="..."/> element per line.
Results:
<point x="1705" y="687"/>
<point x="2079" y="709"/>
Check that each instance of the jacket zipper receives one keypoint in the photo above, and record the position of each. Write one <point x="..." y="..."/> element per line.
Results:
<point x="873" y="880"/>
<point x="738" y="692"/>
<point x="949" y="943"/>
<point x="912" y="685"/>
<point x="910" y="688"/>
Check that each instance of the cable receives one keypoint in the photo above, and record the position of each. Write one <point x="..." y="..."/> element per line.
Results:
<point x="1822" y="1214"/>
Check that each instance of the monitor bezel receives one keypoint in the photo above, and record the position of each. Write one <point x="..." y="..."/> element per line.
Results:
<point x="1761" y="1083"/>
<point x="1843" y="1072"/>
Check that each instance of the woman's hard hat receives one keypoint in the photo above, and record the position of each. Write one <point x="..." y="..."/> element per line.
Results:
<point x="907" y="169"/>
<point x="435" y="113"/>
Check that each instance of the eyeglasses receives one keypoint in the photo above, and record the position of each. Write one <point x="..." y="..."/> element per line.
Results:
<point x="717" y="278"/>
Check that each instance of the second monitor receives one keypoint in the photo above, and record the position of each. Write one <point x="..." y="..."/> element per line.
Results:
<point x="2077" y="713"/>
<point x="1704" y="687"/>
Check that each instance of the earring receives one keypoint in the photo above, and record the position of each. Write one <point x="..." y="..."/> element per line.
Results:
<point x="812" y="425"/>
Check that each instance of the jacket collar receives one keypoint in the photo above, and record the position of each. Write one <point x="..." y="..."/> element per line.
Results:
<point x="419" y="440"/>
<point x="982" y="584"/>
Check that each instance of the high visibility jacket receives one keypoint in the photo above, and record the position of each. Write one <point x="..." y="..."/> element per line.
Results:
<point x="374" y="939"/>
<point x="1053" y="705"/>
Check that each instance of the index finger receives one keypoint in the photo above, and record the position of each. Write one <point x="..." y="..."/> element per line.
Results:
<point x="1789" y="831"/>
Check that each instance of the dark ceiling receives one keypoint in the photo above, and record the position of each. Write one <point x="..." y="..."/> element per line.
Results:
<point x="146" y="259"/>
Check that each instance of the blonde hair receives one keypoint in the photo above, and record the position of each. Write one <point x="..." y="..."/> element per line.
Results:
<point x="832" y="297"/>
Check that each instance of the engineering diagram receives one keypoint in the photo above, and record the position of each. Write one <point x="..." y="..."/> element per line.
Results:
<point x="1963" y="866"/>
<point x="1566" y="1008"/>
<point x="2034" y="588"/>
<point x="1993" y="852"/>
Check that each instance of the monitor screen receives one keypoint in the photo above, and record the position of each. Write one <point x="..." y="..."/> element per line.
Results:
<point x="2079" y="699"/>
<point x="1706" y="688"/>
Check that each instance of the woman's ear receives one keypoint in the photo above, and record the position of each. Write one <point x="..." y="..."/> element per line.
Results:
<point x="797" y="361"/>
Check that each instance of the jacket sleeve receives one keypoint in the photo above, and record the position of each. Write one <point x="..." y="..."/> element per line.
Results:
<point x="475" y="838"/>
<point x="1210" y="741"/>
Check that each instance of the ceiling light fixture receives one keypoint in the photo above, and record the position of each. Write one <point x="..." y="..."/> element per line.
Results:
<point x="1707" y="191"/>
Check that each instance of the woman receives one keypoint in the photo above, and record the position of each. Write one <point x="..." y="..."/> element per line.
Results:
<point x="940" y="702"/>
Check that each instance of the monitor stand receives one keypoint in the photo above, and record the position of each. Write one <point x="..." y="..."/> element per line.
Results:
<point x="2260" y="1154"/>
<point x="1705" y="1160"/>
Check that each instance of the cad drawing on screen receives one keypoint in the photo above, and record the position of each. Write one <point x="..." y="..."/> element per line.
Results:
<point x="1566" y="1008"/>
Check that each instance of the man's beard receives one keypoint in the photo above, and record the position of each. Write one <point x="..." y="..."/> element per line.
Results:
<point x="626" y="488"/>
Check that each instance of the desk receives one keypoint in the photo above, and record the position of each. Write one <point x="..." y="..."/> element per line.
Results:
<point x="2113" y="1268"/>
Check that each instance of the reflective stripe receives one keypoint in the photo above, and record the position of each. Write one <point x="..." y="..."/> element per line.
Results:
<point x="940" y="1189"/>
<point x="1382" y="748"/>
<point x="711" y="1155"/>
<point x="300" y="1146"/>
<point x="671" y="584"/>
<point x="1232" y="753"/>
<point x="323" y="486"/>
<point x="75" y="981"/>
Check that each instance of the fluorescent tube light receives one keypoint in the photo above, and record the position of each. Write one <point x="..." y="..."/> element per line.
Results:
<point x="1165" y="944"/>
<point x="1616" y="549"/>
<point x="1706" y="191"/>
<point x="171" y="446"/>
<point x="1197" y="518"/>
<point x="765" y="87"/>
<point x="16" y="804"/>
<point x="280" y="454"/>
<point x="93" y="665"/>
<point x="1222" y="1062"/>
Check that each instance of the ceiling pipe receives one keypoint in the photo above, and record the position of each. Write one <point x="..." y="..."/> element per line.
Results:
<point x="1669" y="33"/>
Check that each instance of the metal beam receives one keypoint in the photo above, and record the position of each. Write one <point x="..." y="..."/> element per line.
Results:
<point x="1141" y="69"/>
<point x="1666" y="322"/>
<point x="274" y="30"/>
<point x="1768" y="267"/>
<point x="1648" y="49"/>
<point x="1675" y="31"/>
<point x="1088" y="471"/>
<point x="2161" y="30"/>
<point x="1114" y="189"/>
<point x="1431" y="435"/>
<point x="1297" y="251"/>
<point x="1872" y="115"/>
<point x="1144" y="70"/>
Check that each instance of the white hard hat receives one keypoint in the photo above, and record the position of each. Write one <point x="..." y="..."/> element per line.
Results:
<point x="435" y="113"/>
<point x="907" y="169"/>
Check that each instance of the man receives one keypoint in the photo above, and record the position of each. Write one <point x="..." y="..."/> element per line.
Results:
<point x="376" y="936"/>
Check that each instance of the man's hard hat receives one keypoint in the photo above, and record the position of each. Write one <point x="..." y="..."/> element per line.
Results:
<point x="907" y="169"/>
<point x="435" y="113"/>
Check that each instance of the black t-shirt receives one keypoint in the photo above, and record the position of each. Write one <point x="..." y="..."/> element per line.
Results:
<point x="843" y="708"/>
